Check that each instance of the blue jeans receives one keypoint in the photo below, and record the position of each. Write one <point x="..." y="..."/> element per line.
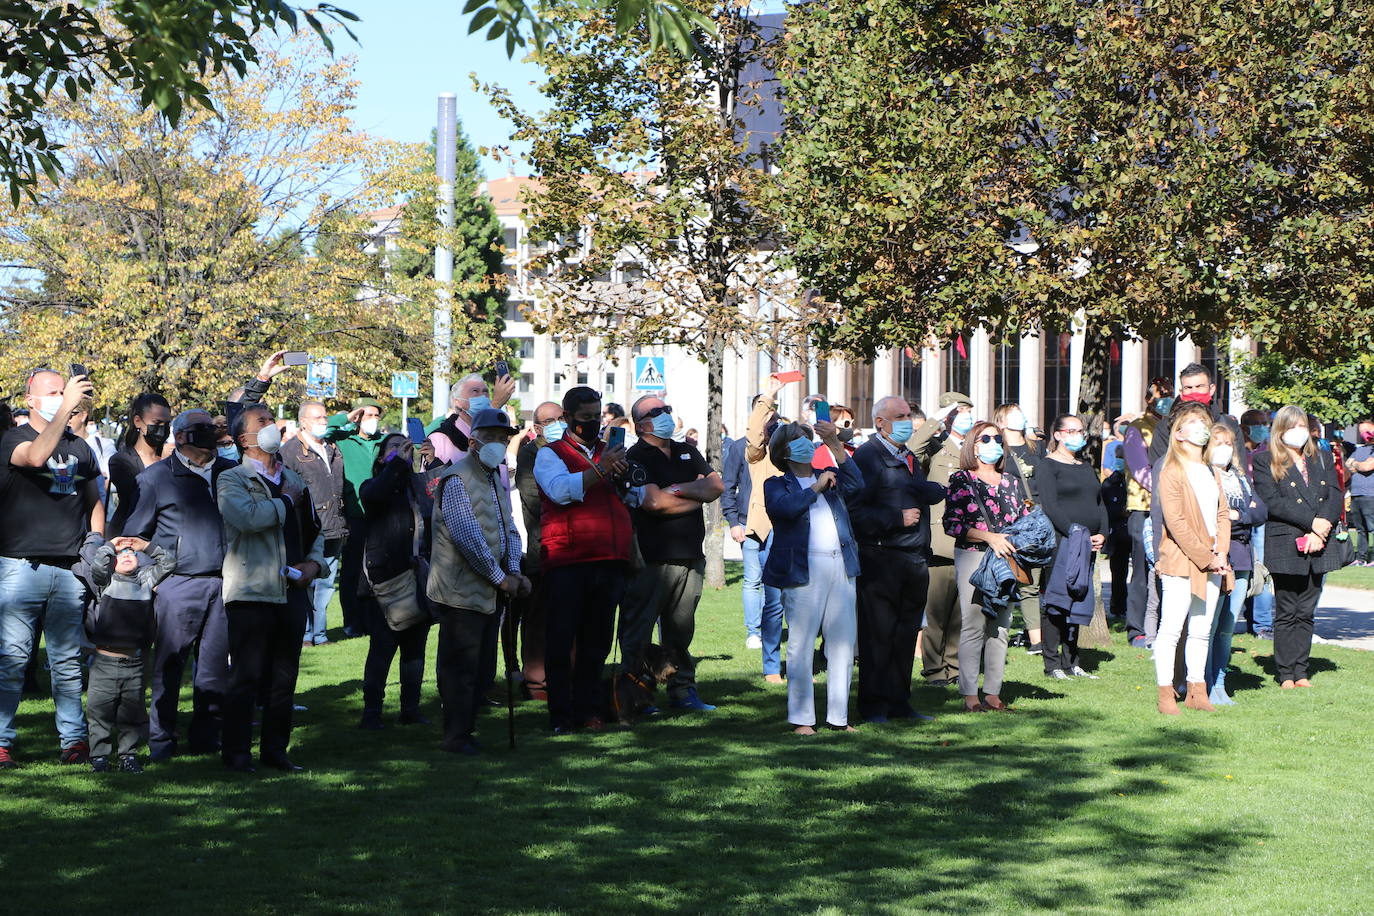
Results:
<point x="1262" y="605"/>
<point x="321" y="591"/>
<point x="30" y="592"/>
<point x="762" y="603"/>
<point x="1229" y="607"/>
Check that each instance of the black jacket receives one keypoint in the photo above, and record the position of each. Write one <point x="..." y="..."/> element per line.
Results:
<point x="1294" y="504"/>
<point x="889" y="487"/>
<point x="325" y="481"/>
<point x="177" y="511"/>
<point x="739" y="486"/>
<point x="388" y="500"/>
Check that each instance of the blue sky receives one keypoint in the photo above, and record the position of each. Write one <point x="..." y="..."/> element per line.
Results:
<point x="409" y="52"/>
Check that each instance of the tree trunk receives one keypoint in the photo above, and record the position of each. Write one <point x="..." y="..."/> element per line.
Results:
<point x="1092" y="383"/>
<point x="715" y="534"/>
<point x="1096" y="635"/>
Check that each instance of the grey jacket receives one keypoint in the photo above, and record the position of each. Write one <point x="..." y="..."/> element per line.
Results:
<point x="255" y="545"/>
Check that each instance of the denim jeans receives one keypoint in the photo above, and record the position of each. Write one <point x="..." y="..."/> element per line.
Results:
<point x="322" y="590"/>
<point x="1262" y="605"/>
<point x="30" y="592"/>
<point x="1229" y="608"/>
<point x="762" y="603"/>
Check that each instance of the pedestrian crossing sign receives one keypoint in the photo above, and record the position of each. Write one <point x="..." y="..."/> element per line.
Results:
<point x="649" y="375"/>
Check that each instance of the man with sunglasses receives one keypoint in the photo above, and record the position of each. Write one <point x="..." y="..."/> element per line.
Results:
<point x="178" y="512"/>
<point x="891" y="521"/>
<point x="50" y="499"/>
<point x="670" y="523"/>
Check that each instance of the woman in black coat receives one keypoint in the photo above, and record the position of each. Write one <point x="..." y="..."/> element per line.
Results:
<point x="389" y="499"/>
<point x="1298" y="485"/>
<point x="143" y="444"/>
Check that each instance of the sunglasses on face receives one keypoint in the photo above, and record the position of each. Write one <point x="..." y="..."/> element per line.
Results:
<point x="989" y="437"/>
<point x="656" y="411"/>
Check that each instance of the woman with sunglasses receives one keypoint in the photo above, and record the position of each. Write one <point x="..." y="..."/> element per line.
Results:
<point x="984" y="498"/>
<point x="143" y="444"/>
<point x="1070" y="494"/>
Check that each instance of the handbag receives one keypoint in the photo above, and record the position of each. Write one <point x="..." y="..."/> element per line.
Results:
<point x="1023" y="576"/>
<point x="399" y="599"/>
<point x="1345" y="550"/>
<point x="1259" y="580"/>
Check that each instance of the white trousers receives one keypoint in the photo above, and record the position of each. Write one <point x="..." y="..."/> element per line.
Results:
<point x="824" y="605"/>
<point x="1177" y="604"/>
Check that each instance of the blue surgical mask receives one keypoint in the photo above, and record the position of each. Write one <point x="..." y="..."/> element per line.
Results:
<point x="1324" y="444"/>
<point x="963" y="422"/>
<point x="801" y="450"/>
<point x="1163" y="406"/>
<point x="481" y="402"/>
<point x="554" y="431"/>
<point x="228" y="452"/>
<point x="902" y="430"/>
<point x="664" y="427"/>
<point x="1075" y="442"/>
<point x="1259" y="434"/>
<point x="989" y="452"/>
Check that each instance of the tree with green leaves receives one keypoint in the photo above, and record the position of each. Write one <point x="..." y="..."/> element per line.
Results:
<point x="645" y="168"/>
<point x="1173" y="167"/>
<point x="1336" y="391"/>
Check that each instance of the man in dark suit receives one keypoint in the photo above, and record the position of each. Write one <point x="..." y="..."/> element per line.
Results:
<point x="176" y="510"/>
<point x="893" y="530"/>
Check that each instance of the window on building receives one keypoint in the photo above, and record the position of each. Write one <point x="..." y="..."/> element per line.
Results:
<point x="610" y="381"/>
<point x="957" y="374"/>
<point x="1218" y="362"/>
<point x="1159" y="360"/>
<point x="524" y="347"/>
<point x="526" y="383"/>
<point x="583" y="347"/>
<point x="1057" y="371"/>
<point x="909" y="375"/>
<point x="581" y="378"/>
<point x="513" y="310"/>
<point x="558" y="381"/>
<point x="510" y="238"/>
<point x="558" y="349"/>
<point x="1006" y="379"/>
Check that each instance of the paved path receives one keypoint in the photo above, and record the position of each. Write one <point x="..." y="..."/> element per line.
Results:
<point x="1345" y="617"/>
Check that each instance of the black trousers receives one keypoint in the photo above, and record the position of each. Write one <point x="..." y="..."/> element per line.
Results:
<point x="115" y="705"/>
<point x="1295" y="604"/>
<point x="1060" y="641"/>
<point x="581" y="607"/>
<point x="355" y="607"/>
<point x="190" y="616"/>
<point x="265" y="644"/>
<point x="1137" y="592"/>
<point x="891" y="603"/>
<point x="467" y="648"/>
<point x="382" y="645"/>
<point x="1119" y="562"/>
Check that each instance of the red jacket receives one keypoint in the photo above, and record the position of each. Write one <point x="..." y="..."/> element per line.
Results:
<point x="595" y="530"/>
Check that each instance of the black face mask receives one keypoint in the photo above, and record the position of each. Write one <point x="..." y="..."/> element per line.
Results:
<point x="845" y="434"/>
<point x="586" y="430"/>
<point x="155" y="434"/>
<point x="202" y="435"/>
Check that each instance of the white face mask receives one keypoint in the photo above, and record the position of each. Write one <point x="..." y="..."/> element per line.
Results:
<point x="269" y="439"/>
<point x="1197" y="433"/>
<point x="49" y="405"/>
<point x="1222" y="455"/>
<point x="368" y="427"/>
<point x="1296" y="436"/>
<point x="492" y="454"/>
<point x="1016" y="421"/>
<point x="91" y="430"/>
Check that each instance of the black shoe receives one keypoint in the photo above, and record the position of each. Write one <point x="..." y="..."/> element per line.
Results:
<point x="100" y="764"/>
<point x="467" y="746"/>
<point x="371" y="722"/>
<point x="1035" y="648"/>
<point x="129" y="764"/>
<point x="414" y="717"/>
<point x="161" y="755"/>
<point x="282" y="762"/>
<point x="240" y="763"/>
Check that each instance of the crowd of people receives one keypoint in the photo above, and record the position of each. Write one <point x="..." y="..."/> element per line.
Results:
<point x="221" y="536"/>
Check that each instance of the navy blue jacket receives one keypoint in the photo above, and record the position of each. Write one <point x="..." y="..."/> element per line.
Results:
<point x="789" y="504"/>
<point x="1070" y="587"/>
<point x="739" y="486"/>
<point x="177" y="511"/>
<point x="889" y="487"/>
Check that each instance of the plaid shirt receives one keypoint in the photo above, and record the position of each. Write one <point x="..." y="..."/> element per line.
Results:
<point x="466" y="533"/>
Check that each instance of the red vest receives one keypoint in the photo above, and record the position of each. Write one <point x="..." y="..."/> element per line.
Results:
<point x="595" y="530"/>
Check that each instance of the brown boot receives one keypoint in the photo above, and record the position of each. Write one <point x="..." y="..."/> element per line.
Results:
<point x="1197" y="697"/>
<point x="1167" y="703"/>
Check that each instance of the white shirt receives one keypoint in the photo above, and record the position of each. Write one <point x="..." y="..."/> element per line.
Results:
<point x="194" y="468"/>
<point x="825" y="537"/>
<point x="1204" y="482"/>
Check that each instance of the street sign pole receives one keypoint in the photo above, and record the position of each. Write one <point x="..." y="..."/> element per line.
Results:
<point x="405" y="412"/>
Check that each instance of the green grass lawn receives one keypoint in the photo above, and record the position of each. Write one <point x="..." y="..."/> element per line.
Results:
<point x="1352" y="577"/>
<point x="1081" y="800"/>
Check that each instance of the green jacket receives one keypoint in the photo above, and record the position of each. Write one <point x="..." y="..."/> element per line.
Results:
<point x="359" y="455"/>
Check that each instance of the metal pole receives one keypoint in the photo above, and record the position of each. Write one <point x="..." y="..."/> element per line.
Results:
<point x="405" y="413"/>
<point x="444" y="158"/>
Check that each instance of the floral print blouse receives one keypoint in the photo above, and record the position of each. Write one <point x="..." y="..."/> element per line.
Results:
<point x="1004" y="503"/>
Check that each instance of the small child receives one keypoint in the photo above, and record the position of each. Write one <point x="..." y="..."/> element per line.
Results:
<point x="120" y="625"/>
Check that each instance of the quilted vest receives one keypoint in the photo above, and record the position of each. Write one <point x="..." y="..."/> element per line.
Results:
<point x="595" y="530"/>
<point x="452" y="581"/>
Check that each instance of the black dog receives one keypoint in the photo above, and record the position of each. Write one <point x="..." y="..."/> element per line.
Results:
<point x="633" y="691"/>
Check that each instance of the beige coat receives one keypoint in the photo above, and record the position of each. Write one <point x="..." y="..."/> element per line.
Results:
<point x="255" y="548"/>
<point x="758" y="525"/>
<point x="1185" y="548"/>
<point x="942" y="464"/>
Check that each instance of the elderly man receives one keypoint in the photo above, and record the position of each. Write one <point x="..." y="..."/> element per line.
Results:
<point x="892" y="525"/>
<point x="670" y="523"/>
<point x="475" y="563"/>
<point x="529" y="611"/>
<point x="274" y="549"/>
<point x="49" y="501"/>
<point x="321" y="466"/>
<point x="468" y="396"/>
<point x="177" y="511"/>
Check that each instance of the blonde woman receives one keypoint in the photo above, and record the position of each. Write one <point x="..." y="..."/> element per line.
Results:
<point x="1247" y="511"/>
<point x="1298" y="485"/>
<point x="1194" y="540"/>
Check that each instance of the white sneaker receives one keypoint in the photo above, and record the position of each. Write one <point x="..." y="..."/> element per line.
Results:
<point x="1079" y="672"/>
<point x="753" y="642"/>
